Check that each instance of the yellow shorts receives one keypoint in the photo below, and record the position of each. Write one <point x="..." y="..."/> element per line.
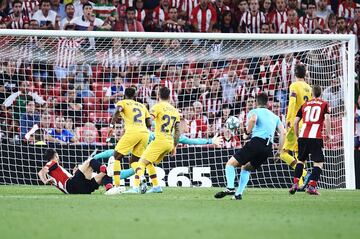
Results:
<point x="134" y="142"/>
<point x="157" y="150"/>
<point x="290" y="141"/>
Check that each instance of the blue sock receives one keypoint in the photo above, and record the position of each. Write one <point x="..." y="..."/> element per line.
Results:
<point x="125" y="173"/>
<point x="230" y="176"/>
<point x="104" y="155"/>
<point x="244" y="179"/>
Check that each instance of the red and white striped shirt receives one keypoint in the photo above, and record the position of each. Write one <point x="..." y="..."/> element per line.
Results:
<point x="160" y="15"/>
<point x="30" y="7"/>
<point x="173" y="94"/>
<point x="185" y="6"/>
<point x="312" y="23"/>
<point x="268" y="74"/>
<point x="312" y="114"/>
<point x="346" y="10"/>
<point x="252" y="23"/>
<point x="140" y="15"/>
<point x="59" y="174"/>
<point x="211" y="104"/>
<point x="286" y="28"/>
<point x="144" y="92"/>
<point x="277" y="18"/>
<point x="203" y="18"/>
<point x="243" y="92"/>
<point x="18" y="22"/>
<point x="66" y="51"/>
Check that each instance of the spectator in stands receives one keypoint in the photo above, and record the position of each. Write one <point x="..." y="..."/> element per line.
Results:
<point x="278" y="16"/>
<point x="10" y="76"/>
<point x="46" y="18"/>
<point x="140" y="11"/>
<point x="220" y="8"/>
<point x="59" y="8"/>
<point x="5" y="10"/>
<point x="231" y="141"/>
<point x="87" y="134"/>
<point x="154" y="95"/>
<point x="199" y="126"/>
<point x="88" y="21"/>
<point x="241" y="8"/>
<point x="17" y="19"/>
<point x="323" y="9"/>
<point x="267" y="7"/>
<point x="115" y="93"/>
<point x="249" y="105"/>
<point x="346" y="9"/>
<point x="69" y="125"/>
<point x="13" y="132"/>
<point x="160" y="13"/>
<point x="79" y="7"/>
<point x="19" y="99"/>
<point x="265" y="28"/>
<point x="117" y="133"/>
<point x="310" y="21"/>
<point x="59" y="134"/>
<point x="69" y="10"/>
<point x="252" y="20"/>
<point x="129" y="23"/>
<point x="203" y="17"/>
<point x="144" y="89"/>
<point x="342" y="27"/>
<point x="294" y="4"/>
<point x="330" y="24"/>
<point x="292" y="25"/>
<point x="173" y="24"/>
<point x="29" y="118"/>
<point x="212" y="99"/>
<point x="357" y="123"/>
<point x="72" y="105"/>
<point x="334" y="95"/>
<point x="45" y="121"/>
<point x="227" y="22"/>
<point x="221" y="117"/>
<point x="34" y="24"/>
<point x="188" y="95"/>
<point x="230" y="83"/>
<point x="106" y="11"/>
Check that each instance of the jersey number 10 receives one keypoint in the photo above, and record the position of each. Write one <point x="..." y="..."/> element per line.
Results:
<point x="312" y="113"/>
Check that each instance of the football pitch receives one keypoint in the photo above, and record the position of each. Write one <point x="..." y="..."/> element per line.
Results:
<point x="44" y="212"/>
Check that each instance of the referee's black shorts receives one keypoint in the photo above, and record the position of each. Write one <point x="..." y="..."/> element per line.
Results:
<point x="78" y="184"/>
<point x="256" y="151"/>
<point x="311" y="146"/>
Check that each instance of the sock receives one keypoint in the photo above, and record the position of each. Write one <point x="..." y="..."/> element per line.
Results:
<point x="117" y="169"/>
<point x="244" y="179"/>
<point x="139" y="173"/>
<point x="288" y="159"/>
<point x="315" y="176"/>
<point x="134" y="165"/>
<point x="298" y="171"/>
<point x="107" y="180"/>
<point x="126" y="173"/>
<point x="95" y="165"/>
<point x="152" y="174"/>
<point x="230" y="176"/>
<point x="104" y="155"/>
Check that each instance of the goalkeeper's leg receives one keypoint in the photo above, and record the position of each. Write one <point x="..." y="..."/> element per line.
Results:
<point x="292" y="161"/>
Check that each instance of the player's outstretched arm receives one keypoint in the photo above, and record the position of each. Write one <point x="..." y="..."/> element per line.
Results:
<point x="216" y="140"/>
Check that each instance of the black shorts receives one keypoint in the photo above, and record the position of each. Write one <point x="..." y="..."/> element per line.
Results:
<point x="256" y="151"/>
<point x="311" y="146"/>
<point x="78" y="184"/>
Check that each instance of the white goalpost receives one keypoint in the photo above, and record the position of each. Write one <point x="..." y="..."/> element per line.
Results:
<point x="74" y="78"/>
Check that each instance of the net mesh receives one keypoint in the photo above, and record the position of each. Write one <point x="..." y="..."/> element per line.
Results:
<point x="59" y="83"/>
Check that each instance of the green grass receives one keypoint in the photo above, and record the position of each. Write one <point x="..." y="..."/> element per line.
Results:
<point x="43" y="212"/>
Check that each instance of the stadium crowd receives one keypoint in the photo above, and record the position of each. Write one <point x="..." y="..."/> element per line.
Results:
<point x="70" y="102"/>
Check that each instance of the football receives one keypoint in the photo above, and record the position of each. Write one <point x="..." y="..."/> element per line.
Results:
<point x="232" y="123"/>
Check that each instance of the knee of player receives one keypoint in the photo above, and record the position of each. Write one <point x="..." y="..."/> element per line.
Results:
<point x="232" y="162"/>
<point x="248" y="167"/>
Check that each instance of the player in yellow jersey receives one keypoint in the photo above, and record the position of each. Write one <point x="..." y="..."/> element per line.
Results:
<point x="137" y="121"/>
<point x="167" y="134"/>
<point x="299" y="93"/>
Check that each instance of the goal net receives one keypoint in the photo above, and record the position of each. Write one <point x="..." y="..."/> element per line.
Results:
<point x="58" y="90"/>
